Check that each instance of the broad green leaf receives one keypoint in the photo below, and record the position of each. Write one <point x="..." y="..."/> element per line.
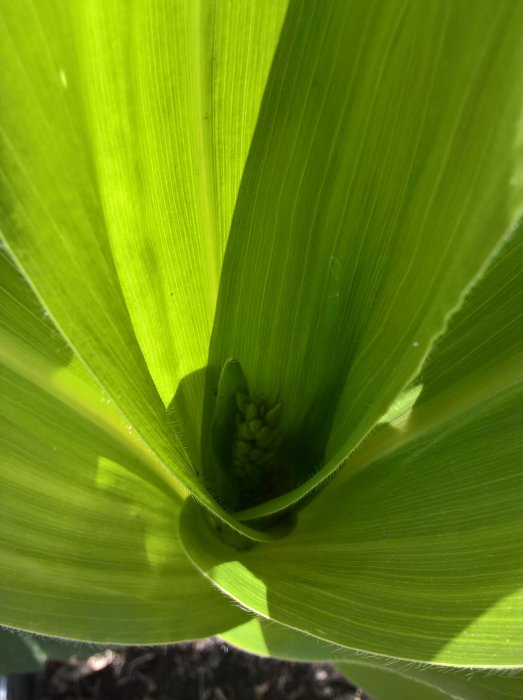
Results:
<point x="32" y="347"/>
<point x="480" y="354"/>
<point x="417" y="557"/>
<point x="270" y="639"/>
<point x="386" y="684"/>
<point x="406" y="117"/>
<point x="53" y="219"/>
<point x="388" y="681"/>
<point x="482" y="349"/>
<point x="89" y="545"/>
<point x="384" y="678"/>
<point x="430" y="531"/>
<point x="116" y="187"/>
<point x="173" y="93"/>
<point x="267" y="638"/>
<point x="381" y="178"/>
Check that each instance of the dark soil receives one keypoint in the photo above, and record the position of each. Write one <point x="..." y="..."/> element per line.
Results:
<point x="203" y="670"/>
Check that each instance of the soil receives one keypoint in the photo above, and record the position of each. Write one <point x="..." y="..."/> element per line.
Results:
<point x="203" y="670"/>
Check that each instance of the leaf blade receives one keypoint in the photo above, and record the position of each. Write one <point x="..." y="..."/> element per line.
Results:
<point x="61" y="231"/>
<point x="385" y="678"/>
<point x="89" y="546"/>
<point x="88" y="516"/>
<point x="377" y="564"/>
<point x="352" y="241"/>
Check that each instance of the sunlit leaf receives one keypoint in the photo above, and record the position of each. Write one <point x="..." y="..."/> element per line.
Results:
<point x="278" y="234"/>
<point x="383" y="678"/>
<point x="418" y="556"/>
<point x="119" y="240"/>
<point x="89" y="545"/>
<point x="382" y="176"/>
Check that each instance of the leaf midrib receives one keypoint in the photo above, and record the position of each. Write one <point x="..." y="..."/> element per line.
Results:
<point x="203" y="23"/>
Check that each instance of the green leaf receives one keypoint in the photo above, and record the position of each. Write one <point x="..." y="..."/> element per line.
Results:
<point x="387" y="684"/>
<point x="403" y="557"/>
<point x="122" y="150"/>
<point x="480" y="354"/>
<point x="384" y="678"/>
<point x="89" y="545"/>
<point x="387" y="681"/>
<point x="32" y="348"/>
<point x="367" y="672"/>
<point x="381" y="178"/>
<point x="53" y="219"/>
<point x="267" y="638"/>
<point x="173" y="92"/>
<point x="418" y="556"/>
<point x="385" y="172"/>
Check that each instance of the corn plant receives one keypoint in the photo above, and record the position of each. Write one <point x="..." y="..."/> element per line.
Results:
<point x="260" y="331"/>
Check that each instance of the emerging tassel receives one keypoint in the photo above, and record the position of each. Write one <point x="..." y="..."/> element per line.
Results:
<point x="247" y="445"/>
<point x="256" y="440"/>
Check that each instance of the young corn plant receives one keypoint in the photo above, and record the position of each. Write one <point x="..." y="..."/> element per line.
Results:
<point x="261" y="332"/>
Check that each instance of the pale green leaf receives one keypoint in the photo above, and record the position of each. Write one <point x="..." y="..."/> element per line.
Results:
<point x="383" y="175"/>
<point x="480" y="354"/>
<point x="386" y="684"/>
<point x="418" y="556"/>
<point x="53" y="218"/>
<point x="173" y="93"/>
<point x="381" y="178"/>
<point x="388" y="681"/>
<point x="424" y="542"/>
<point x="89" y="545"/>
<point x="89" y="535"/>
<point x="117" y="188"/>
<point x="268" y="638"/>
<point x="384" y="678"/>
<point x="32" y="348"/>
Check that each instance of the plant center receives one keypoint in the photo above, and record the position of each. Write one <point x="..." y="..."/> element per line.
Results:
<point x="254" y="457"/>
<point x="247" y="458"/>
